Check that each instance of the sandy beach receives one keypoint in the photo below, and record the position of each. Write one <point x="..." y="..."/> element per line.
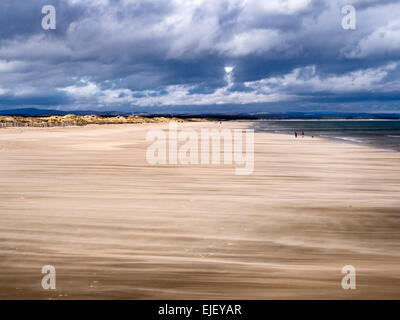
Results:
<point x="85" y="200"/>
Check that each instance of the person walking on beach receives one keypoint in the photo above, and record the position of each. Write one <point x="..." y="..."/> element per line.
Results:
<point x="302" y="134"/>
<point x="295" y="134"/>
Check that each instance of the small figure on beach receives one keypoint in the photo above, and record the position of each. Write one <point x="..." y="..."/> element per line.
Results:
<point x="295" y="134"/>
<point x="302" y="134"/>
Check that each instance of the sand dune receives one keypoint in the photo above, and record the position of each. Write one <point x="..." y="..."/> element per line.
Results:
<point x="85" y="200"/>
<point x="74" y="120"/>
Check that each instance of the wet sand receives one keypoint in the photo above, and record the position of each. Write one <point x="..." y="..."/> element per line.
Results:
<point x="85" y="200"/>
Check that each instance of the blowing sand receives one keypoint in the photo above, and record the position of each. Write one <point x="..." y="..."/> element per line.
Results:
<point x="85" y="200"/>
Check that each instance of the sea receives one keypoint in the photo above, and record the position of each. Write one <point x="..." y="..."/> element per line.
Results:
<point x="383" y="134"/>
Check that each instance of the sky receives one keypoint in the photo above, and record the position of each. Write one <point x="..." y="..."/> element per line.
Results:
<point x="201" y="56"/>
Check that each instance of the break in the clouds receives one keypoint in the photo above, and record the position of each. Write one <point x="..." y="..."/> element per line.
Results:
<point x="255" y="55"/>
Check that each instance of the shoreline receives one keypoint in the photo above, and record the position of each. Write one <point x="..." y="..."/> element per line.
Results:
<point x="349" y="139"/>
<point x="338" y="140"/>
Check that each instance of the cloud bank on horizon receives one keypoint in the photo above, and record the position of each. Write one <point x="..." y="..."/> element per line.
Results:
<point x="248" y="55"/>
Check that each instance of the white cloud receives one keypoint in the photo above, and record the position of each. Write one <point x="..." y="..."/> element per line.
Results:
<point x="306" y="79"/>
<point x="176" y="95"/>
<point x="89" y="2"/>
<point x="3" y="91"/>
<point x="38" y="46"/>
<point x="250" y="42"/>
<point x="89" y="90"/>
<point x="277" y="6"/>
<point x="383" y="40"/>
<point x="180" y="95"/>
<point x="10" y="66"/>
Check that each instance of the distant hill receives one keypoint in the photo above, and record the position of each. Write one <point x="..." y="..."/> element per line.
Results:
<point x="278" y="116"/>
<point x="33" y="112"/>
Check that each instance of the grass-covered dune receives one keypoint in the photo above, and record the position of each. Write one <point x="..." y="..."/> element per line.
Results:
<point x="73" y="120"/>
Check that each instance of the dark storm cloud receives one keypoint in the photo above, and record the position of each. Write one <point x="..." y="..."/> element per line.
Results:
<point x="264" y="55"/>
<point x="35" y="101"/>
